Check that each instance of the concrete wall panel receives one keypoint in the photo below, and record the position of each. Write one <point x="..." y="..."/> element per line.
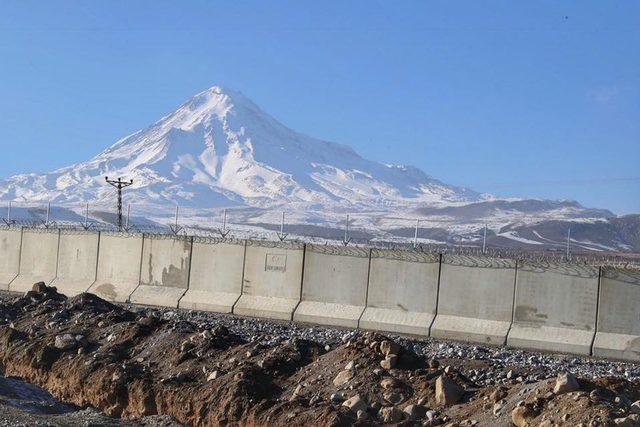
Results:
<point x="164" y="274"/>
<point x="10" y="241"/>
<point x="475" y="302"/>
<point x="77" y="261"/>
<point x="402" y="292"/>
<point x="334" y="288"/>
<point x="119" y="257"/>
<point x="215" y="282"/>
<point x="618" y="327"/>
<point x="555" y="307"/>
<point x="38" y="258"/>
<point x="272" y="279"/>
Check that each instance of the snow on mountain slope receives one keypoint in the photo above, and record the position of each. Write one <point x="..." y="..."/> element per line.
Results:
<point x="220" y="149"/>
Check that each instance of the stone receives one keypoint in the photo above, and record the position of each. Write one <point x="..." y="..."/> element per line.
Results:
<point x="389" y="362"/>
<point x="632" y="420"/>
<point x="566" y="383"/>
<point x="521" y="416"/>
<point x="342" y="378"/>
<point x="448" y="392"/>
<point x="355" y="403"/>
<point x="212" y="376"/>
<point x="390" y="415"/>
<point x="388" y="383"/>
<point x="39" y="287"/>
<point x="393" y="398"/>
<point x="498" y="394"/>
<point x="349" y="366"/>
<point x="433" y="364"/>
<point x="220" y="331"/>
<point x="337" y="397"/>
<point x="186" y="346"/>
<point x="65" y="342"/>
<point x="635" y="407"/>
<point x="497" y="407"/>
<point x="389" y="348"/>
<point x="415" y="412"/>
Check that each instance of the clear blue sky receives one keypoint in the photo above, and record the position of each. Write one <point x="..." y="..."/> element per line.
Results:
<point x="537" y="99"/>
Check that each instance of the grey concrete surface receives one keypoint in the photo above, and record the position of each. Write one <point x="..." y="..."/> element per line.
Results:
<point x="402" y="292"/>
<point x="10" y="241"/>
<point x="77" y="261"/>
<point x="272" y="280"/>
<point x="215" y="282"/>
<point x="476" y="299"/>
<point x="555" y="307"/>
<point x="38" y="258"/>
<point x="618" y="327"/>
<point x="119" y="260"/>
<point x="334" y="288"/>
<point x="164" y="274"/>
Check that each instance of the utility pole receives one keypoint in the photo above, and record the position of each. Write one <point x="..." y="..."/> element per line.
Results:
<point x="415" y="234"/>
<point x="119" y="184"/>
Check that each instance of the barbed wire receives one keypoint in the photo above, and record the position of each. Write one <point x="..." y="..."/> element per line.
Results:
<point x="99" y="217"/>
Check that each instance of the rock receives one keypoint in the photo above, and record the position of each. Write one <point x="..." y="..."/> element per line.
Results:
<point x="65" y="342"/>
<point x="433" y="364"/>
<point x="206" y="334"/>
<point x="521" y="416"/>
<point x="566" y="383"/>
<point x="497" y="407"/>
<point x="448" y="392"/>
<point x="635" y="407"/>
<point x="390" y="415"/>
<point x="393" y="398"/>
<point x="389" y="362"/>
<point x="337" y="397"/>
<point x="349" y="366"/>
<point x="632" y="420"/>
<point x="546" y="423"/>
<point x="342" y="378"/>
<point x="186" y="346"/>
<point x="212" y="376"/>
<point x="355" y="403"/>
<point x="39" y="287"/>
<point x="389" y="348"/>
<point x="388" y="383"/>
<point x="415" y="412"/>
<point x="498" y="394"/>
<point x="220" y="331"/>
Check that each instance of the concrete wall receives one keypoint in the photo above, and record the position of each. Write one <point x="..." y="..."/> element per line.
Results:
<point x="215" y="282"/>
<point x="476" y="299"/>
<point x="77" y="261"/>
<point x="618" y="327"/>
<point x="402" y="293"/>
<point x="38" y="258"/>
<point x="164" y="274"/>
<point x="10" y="241"/>
<point x="555" y="307"/>
<point x="119" y="256"/>
<point x="272" y="280"/>
<point x="334" y="289"/>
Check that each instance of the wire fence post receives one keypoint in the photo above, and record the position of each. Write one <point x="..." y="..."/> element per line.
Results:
<point x="415" y="234"/>
<point x="346" y="239"/>
<point x="48" y="215"/>
<point x="176" y="228"/>
<point x="568" y="244"/>
<point x="484" y="240"/>
<point x="8" y="219"/>
<point x="282" y="235"/>
<point x="223" y="231"/>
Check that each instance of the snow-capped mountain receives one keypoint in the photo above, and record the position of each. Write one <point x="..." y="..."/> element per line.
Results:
<point x="219" y="149"/>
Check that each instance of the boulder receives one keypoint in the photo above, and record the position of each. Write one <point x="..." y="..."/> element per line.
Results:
<point x="566" y="383"/>
<point x="522" y="415"/>
<point x="390" y="415"/>
<point x="355" y="403"/>
<point x="448" y="392"/>
<point x="342" y="378"/>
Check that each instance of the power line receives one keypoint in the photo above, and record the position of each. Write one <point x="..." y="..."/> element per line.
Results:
<point x="119" y="184"/>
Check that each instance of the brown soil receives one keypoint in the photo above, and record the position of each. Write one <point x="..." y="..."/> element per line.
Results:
<point x="129" y="365"/>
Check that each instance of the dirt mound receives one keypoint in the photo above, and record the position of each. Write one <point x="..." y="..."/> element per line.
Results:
<point x="86" y="351"/>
